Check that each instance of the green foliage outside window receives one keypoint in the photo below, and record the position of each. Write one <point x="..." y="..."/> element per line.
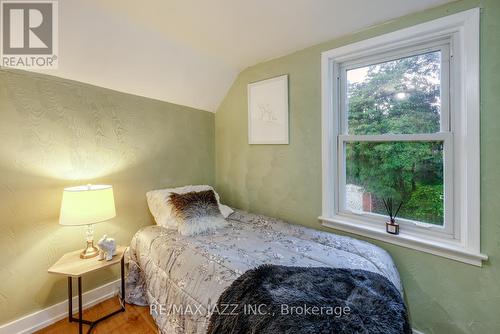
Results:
<point x="398" y="97"/>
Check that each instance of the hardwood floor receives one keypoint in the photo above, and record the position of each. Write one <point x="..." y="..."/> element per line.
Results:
<point x="135" y="320"/>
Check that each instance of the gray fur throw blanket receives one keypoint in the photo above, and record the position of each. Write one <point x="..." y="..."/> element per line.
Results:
<point x="274" y="299"/>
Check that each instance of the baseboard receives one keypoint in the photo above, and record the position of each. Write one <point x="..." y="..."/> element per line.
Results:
<point x="43" y="318"/>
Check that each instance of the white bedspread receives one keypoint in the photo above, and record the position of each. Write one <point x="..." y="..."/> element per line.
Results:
<point x="186" y="275"/>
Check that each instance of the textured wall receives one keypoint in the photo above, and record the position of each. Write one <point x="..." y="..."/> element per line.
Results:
<point x="56" y="133"/>
<point x="444" y="296"/>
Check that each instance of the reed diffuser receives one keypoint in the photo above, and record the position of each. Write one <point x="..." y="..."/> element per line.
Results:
<point x="391" y="226"/>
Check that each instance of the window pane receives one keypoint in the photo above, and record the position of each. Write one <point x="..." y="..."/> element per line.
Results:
<point x="411" y="172"/>
<point x="401" y="96"/>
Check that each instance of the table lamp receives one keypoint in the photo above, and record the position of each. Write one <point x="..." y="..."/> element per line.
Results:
<point x="87" y="205"/>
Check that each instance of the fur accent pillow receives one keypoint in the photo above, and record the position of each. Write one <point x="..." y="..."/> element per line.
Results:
<point x="162" y="210"/>
<point x="196" y="212"/>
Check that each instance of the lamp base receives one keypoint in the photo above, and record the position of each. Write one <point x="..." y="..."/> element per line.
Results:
<point x="90" y="251"/>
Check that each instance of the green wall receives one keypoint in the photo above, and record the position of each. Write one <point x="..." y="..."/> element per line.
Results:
<point x="56" y="133"/>
<point x="284" y="181"/>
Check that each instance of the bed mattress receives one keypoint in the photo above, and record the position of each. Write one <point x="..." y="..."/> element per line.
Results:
<point x="183" y="277"/>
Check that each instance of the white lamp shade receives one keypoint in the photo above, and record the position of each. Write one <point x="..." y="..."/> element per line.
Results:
<point x="85" y="205"/>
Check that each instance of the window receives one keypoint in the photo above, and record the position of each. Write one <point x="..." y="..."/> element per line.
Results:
<point x="400" y="121"/>
<point x="395" y="134"/>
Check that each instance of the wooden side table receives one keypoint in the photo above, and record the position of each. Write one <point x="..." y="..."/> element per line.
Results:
<point x="72" y="266"/>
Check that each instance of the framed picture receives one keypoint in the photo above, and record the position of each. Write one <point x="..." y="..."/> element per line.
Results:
<point x="268" y="111"/>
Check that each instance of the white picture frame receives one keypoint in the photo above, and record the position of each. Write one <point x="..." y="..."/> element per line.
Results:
<point x="268" y="111"/>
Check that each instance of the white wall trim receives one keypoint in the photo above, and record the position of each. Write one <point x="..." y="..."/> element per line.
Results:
<point x="43" y="318"/>
<point x="450" y="250"/>
<point x="462" y="211"/>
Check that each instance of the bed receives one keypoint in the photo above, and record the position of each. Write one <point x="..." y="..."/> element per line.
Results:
<point x="184" y="276"/>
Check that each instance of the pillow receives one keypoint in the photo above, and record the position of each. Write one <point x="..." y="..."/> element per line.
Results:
<point x="162" y="211"/>
<point x="196" y="212"/>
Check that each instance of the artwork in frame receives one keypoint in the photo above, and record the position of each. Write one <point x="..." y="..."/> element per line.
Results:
<point x="268" y="111"/>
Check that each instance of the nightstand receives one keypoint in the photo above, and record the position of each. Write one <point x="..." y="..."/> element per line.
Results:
<point x="72" y="266"/>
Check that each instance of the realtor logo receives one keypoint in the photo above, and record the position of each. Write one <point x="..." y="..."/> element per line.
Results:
<point x="29" y="34"/>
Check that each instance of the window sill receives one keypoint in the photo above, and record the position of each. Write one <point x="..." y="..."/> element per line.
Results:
<point x="448" y="250"/>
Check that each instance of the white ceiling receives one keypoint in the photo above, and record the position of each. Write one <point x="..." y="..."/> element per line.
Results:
<point x="190" y="51"/>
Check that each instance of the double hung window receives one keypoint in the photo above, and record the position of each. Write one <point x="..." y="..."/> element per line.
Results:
<point x="401" y="121"/>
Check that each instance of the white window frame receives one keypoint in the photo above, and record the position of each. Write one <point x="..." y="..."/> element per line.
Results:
<point x="458" y="35"/>
<point x="448" y="229"/>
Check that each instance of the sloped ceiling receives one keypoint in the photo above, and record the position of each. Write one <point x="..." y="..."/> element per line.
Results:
<point x="189" y="51"/>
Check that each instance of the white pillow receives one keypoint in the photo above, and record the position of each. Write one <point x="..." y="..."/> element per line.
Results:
<point x="224" y="209"/>
<point x="162" y="210"/>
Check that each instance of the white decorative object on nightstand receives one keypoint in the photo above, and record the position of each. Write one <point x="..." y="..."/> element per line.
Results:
<point x="107" y="248"/>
